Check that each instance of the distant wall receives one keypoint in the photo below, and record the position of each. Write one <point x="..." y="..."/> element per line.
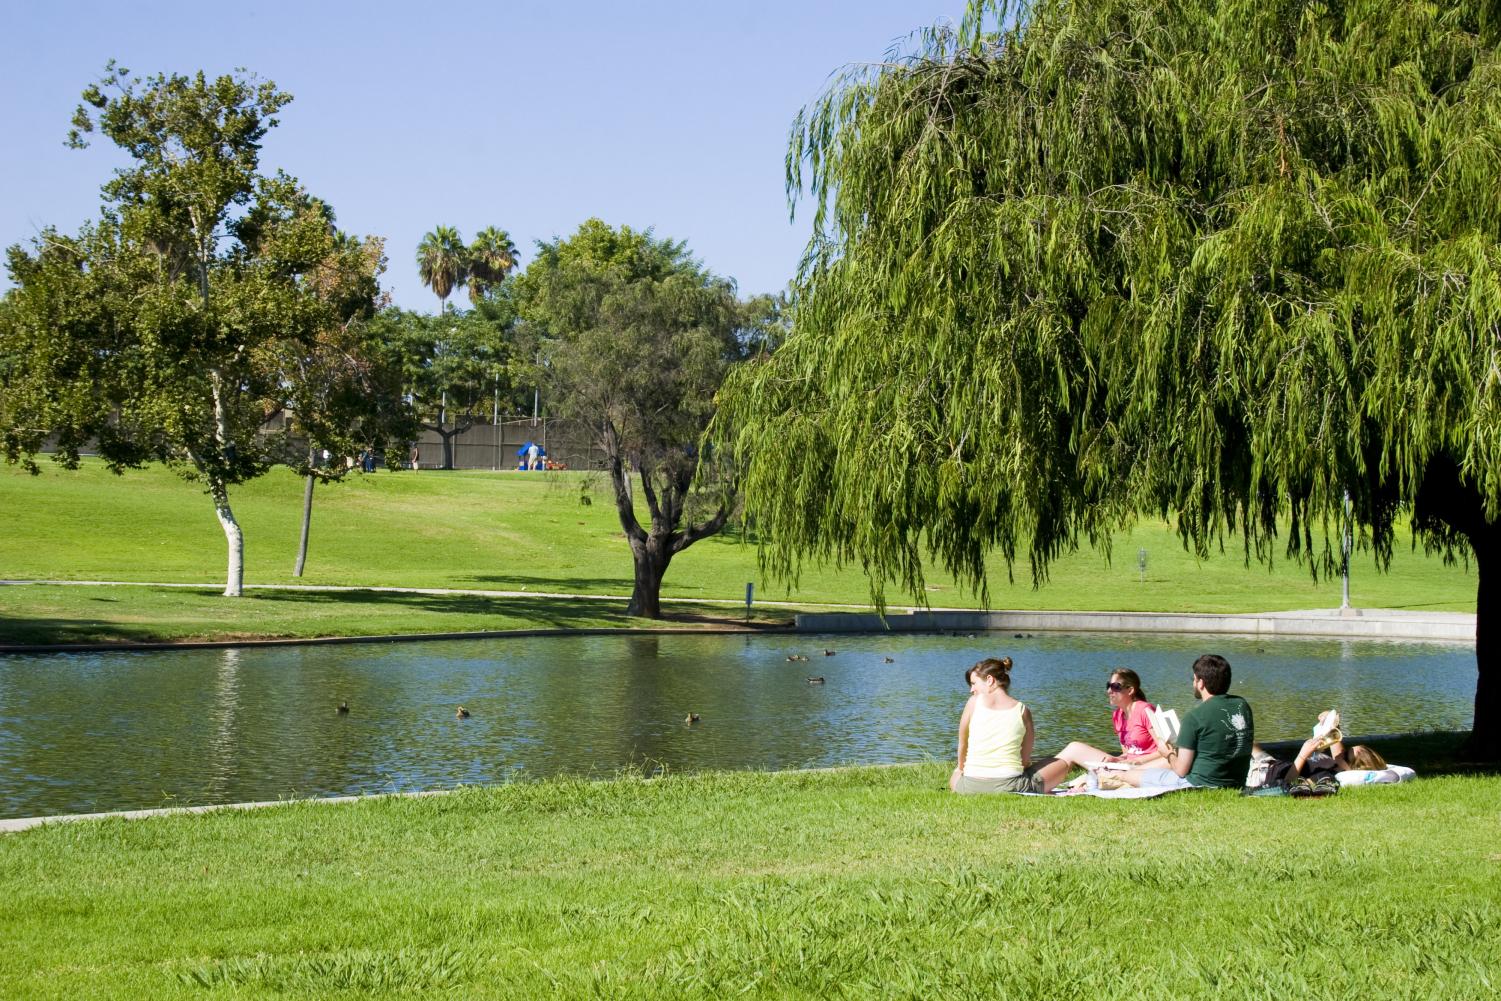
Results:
<point x="489" y="446"/>
<point x="1447" y="627"/>
<point x="484" y="446"/>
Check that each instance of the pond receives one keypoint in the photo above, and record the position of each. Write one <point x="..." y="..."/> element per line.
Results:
<point x="122" y="730"/>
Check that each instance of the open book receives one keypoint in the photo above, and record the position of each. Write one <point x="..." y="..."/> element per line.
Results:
<point x="1165" y="725"/>
<point x="1327" y="730"/>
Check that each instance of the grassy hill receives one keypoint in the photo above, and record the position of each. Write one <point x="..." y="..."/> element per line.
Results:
<point x="516" y="531"/>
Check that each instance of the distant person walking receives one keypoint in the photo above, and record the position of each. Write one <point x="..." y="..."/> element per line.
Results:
<point x="533" y="455"/>
<point x="416" y="458"/>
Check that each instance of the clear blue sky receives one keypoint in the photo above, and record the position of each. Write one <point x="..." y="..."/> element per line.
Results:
<point x="524" y="115"/>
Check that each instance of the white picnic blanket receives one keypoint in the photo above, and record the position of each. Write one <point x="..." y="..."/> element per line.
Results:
<point x="1077" y="787"/>
<point x="1125" y="792"/>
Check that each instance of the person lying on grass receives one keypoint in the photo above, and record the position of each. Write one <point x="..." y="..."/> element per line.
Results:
<point x="1317" y="762"/>
<point x="1129" y="708"/>
<point x="1213" y="750"/>
<point x="995" y="738"/>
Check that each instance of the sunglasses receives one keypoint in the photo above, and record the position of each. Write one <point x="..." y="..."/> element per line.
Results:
<point x="1114" y="686"/>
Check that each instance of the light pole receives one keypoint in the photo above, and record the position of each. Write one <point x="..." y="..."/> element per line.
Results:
<point x="1345" y="544"/>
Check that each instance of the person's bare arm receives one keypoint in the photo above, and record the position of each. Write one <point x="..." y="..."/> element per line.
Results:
<point x="1180" y="760"/>
<point x="963" y="741"/>
<point x="1304" y="753"/>
<point x="1027" y="738"/>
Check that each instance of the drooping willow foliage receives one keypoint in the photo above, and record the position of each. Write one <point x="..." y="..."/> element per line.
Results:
<point x="1075" y="262"/>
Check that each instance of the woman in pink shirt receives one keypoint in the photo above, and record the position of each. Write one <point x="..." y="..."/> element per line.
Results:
<point x="1129" y="707"/>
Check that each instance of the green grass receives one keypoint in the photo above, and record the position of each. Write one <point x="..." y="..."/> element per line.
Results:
<point x="514" y="532"/>
<point x="866" y="883"/>
<point x="58" y="614"/>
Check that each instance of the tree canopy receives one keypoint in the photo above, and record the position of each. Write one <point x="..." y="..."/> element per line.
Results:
<point x="1219" y="260"/>
<point x="206" y="299"/>
<point x="452" y="365"/>
<point x="492" y="256"/>
<point x="442" y="262"/>
<point x="634" y="339"/>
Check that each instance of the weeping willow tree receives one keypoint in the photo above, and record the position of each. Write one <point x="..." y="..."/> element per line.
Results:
<point x="1224" y="261"/>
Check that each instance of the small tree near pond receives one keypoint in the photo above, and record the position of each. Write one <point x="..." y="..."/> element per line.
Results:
<point x="633" y="340"/>
<point x="178" y="324"/>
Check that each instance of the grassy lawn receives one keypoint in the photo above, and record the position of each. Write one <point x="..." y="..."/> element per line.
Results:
<point x="509" y="531"/>
<point x="45" y="614"/>
<point x="866" y="883"/>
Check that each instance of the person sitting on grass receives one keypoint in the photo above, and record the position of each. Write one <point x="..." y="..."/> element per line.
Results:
<point x="1129" y="708"/>
<point x="995" y="738"/>
<point x="1213" y="750"/>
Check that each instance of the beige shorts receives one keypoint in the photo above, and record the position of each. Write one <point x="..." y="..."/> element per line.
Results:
<point x="1027" y="781"/>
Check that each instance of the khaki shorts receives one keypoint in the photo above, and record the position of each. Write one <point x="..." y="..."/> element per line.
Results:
<point x="1027" y="781"/>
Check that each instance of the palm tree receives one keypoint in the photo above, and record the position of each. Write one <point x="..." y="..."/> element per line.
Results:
<point x="442" y="262"/>
<point x="492" y="255"/>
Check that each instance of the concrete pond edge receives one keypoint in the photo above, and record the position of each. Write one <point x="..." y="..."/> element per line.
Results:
<point x="1369" y="624"/>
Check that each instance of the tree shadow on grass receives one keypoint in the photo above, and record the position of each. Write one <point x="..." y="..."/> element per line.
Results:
<point x="545" y="612"/>
<point x="311" y="614"/>
<point x="550" y="582"/>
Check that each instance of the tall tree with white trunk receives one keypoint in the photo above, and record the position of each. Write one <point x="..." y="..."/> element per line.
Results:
<point x="170" y="328"/>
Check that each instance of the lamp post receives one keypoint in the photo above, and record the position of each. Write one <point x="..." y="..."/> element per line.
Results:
<point x="1346" y="542"/>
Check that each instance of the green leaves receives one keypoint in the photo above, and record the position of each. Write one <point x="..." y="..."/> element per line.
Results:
<point x="1220" y="260"/>
<point x="208" y="299"/>
<point x="491" y="256"/>
<point x="442" y="261"/>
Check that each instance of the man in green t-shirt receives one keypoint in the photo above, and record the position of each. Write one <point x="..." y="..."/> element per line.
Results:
<point x="1214" y="741"/>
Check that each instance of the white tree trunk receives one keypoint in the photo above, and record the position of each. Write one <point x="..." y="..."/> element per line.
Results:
<point x="234" y="584"/>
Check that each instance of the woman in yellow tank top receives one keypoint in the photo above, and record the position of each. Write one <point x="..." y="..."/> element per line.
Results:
<point x="995" y="738"/>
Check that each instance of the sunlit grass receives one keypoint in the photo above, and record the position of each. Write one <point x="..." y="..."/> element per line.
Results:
<point x="529" y="533"/>
<point x="863" y="883"/>
<point x="34" y="614"/>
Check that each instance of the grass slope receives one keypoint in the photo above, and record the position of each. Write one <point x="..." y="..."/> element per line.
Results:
<point x="867" y="883"/>
<point x="509" y="531"/>
<point x="65" y="614"/>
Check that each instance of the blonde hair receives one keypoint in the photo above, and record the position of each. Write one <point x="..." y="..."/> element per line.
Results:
<point x="1361" y="756"/>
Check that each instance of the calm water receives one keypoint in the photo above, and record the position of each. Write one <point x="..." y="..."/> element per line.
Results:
<point x="89" y="732"/>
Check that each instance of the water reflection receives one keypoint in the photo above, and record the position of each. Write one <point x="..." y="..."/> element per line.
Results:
<point x="82" y="732"/>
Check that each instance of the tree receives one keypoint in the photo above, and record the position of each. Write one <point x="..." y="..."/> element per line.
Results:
<point x="492" y="256"/>
<point x="635" y="339"/>
<point x="443" y="263"/>
<point x="346" y="397"/>
<point x="162" y="330"/>
<point x="1217" y="259"/>
<point x="453" y="365"/>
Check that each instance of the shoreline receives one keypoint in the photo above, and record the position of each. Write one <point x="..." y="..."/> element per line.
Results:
<point x="1364" y="624"/>
<point x="15" y="825"/>
<point x="1355" y="623"/>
